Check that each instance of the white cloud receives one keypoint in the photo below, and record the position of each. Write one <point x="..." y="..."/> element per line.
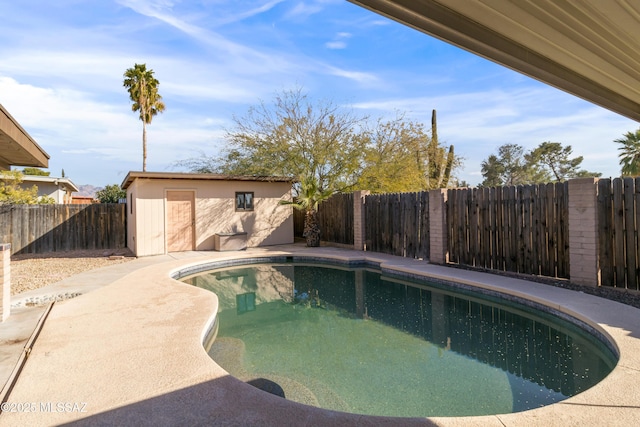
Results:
<point x="357" y="76"/>
<point x="339" y="41"/>
<point x="336" y="45"/>
<point x="250" y="13"/>
<point x="303" y="10"/>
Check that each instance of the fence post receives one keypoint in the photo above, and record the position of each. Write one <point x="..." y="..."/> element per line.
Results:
<point x="5" y="281"/>
<point x="358" y="220"/>
<point x="583" y="232"/>
<point x="438" y="236"/>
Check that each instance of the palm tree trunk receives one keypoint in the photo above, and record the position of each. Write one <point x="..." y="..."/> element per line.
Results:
<point x="311" y="229"/>
<point x="144" y="146"/>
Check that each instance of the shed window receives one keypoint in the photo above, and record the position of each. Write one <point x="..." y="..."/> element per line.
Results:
<point x="244" y="201"/>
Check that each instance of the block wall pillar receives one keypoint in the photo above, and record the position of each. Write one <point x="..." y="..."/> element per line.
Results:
<point x="5" y="281"/>
<point x="359" y="243"/>
<point x="583" y="232"/>
<point x="438" y="235"/>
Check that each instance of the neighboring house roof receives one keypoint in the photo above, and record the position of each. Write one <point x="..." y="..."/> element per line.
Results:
<point x="131" y="176"/>
<point x="17" y="148"/>
<point x="61" y="182"/>
<point x="588" y="48"/>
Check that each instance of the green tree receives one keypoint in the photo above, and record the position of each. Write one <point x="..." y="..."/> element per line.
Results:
<point x="143" y="92"/>
<point x="12" y="194"/>
<point x="548" y="162"/>
<point x="509" y="167"/>
<point x="630" y="153"/>
<point x="111" y="194"/>
<point x="391" y="161"/>
<point x="35" y="172"/>
<point x="310" y="195"/>
<point x="556" y="161"/>
<point x="400" y="156"/>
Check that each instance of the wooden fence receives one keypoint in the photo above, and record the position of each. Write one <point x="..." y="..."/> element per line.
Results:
<point x="618" y="223"/>
<point x="52" y="228"/>
<point x="335" y="216"/>
<point x="521" y="229"/>
<point x="398" y="224"/>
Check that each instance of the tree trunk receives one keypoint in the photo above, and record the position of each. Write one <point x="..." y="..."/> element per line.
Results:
<point x="144" y="146"/>
<point x="311" y="229"/>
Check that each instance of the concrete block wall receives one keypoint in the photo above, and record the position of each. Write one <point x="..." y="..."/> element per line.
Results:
<point x="5" y="281"/>
<point x="583" y="232"/>
<point x="438" y="235"/>
<point x="359" y="243"/>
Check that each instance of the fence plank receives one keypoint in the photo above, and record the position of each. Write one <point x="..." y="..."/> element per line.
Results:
<point x="527" y="251"/>
<point x="512" y="236"/>
<point x="605" y="227"/>
<point x="618" y="236"/>
<point x="630" y="230"/>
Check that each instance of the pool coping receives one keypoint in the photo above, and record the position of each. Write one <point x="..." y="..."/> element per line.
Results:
<point x="132" y="352"/>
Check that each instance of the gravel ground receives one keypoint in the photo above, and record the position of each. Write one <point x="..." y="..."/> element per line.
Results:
<point x="33" y="271"/>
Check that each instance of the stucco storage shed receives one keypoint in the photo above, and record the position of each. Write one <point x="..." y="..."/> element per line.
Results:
<point x="174" y="212"/>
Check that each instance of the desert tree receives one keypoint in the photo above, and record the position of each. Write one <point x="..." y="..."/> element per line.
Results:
<point x="401" y="156"/>
<point x="549" y="162"/>
<point x="557" y="161"/>
<point x="315" y="142"/>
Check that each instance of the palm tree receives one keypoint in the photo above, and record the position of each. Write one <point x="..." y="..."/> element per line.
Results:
<point x="630" y="153"/>
<point x="143" y="91"/>
<point x="309" y="197"/>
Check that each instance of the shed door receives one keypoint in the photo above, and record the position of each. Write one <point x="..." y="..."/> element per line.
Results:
<point x="180" y="221"/>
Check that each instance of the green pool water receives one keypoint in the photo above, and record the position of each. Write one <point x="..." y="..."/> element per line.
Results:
<point x="353" y="340"/>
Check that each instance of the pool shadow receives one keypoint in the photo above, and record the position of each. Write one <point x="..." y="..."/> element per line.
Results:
<point x="267" y="385"/>
<point x="230" y="402"/>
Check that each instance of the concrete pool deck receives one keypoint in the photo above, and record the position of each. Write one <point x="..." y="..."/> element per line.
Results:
<point x="130" y="352"/>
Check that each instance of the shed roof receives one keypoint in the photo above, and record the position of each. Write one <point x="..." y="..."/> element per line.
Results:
<point x="131" y="176"/>
<point x="17" y="148"/>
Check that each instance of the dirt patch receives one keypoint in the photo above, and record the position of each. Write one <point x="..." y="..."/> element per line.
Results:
<point x="33" y="271"/>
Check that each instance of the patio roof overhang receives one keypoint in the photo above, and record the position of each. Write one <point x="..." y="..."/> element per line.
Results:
<point x="17" y="148"/>
<point x="588" y="48"/>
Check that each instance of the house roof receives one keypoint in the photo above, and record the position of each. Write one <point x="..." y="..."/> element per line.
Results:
<point x="131" y="176"/>
<point x="17" y="148"/>
<point x="588" y="48"/>
<point x="63" y="182"/>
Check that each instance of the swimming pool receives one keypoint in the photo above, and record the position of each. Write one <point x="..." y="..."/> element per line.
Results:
<point x="394" y="346"/>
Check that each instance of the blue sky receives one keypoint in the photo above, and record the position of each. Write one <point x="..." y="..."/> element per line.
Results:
<point x="63" y="61"/>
